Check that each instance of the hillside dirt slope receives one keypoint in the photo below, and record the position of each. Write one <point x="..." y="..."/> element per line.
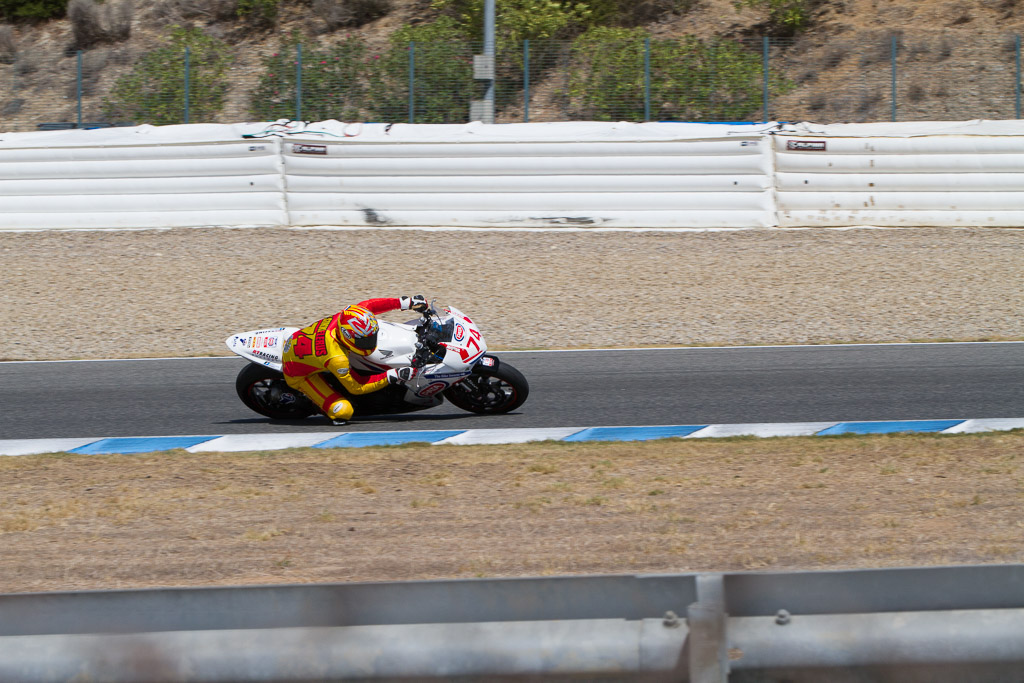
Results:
<point x="956" y="57"/>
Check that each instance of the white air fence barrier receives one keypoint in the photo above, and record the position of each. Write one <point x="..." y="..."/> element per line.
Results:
<point x="534" y="175"/>
<point x="142" y="177"/>
<point x="901" y="174"/>
<point x="581" y="174"/>
<point x="330" y="173"/>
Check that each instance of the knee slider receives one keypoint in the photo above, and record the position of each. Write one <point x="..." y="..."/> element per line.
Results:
<point x="340" y="410"/>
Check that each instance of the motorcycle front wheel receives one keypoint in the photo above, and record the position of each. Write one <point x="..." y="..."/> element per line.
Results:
<point x="264" y="391"/>
<point x="490" y="390"/>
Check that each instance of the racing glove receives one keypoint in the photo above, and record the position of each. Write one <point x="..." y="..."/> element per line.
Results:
<point x="400" y="375"/>
<point x="416" y="303"/>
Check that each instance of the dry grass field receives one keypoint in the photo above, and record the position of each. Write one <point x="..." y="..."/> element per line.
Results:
<point x="418" y="511"/>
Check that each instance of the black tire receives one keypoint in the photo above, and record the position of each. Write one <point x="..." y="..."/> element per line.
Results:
<point x="264" y="391"/>
<point x="490" y="391"/>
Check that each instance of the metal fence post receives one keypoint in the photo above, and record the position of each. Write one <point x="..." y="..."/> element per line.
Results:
<point x="893" y="50"/>
<point x="706" y="619"/>
<point x="712" y="72"/>
<point x="764" y="77"/>
<point x="489" y="19"/>
<point x="526" y="81"/>
<point x="412" y="85"/>
<point x="647" y="79"/>
<point x="187" y="69"/>
<point x="78" y="89"/>
<point x="1016" y="83"/>
<point x="298" y="82"/>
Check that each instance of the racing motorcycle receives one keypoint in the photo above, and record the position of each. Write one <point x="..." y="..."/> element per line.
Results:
<point x="444" y="346"/>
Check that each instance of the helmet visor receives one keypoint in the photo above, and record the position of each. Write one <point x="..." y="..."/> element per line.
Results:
<point x="367" y="343"/>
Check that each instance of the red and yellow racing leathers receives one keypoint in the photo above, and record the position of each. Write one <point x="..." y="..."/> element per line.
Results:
<point x="315" y="349"/>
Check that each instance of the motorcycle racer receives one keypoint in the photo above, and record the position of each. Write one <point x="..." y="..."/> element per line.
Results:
<point x="324" y="347"/>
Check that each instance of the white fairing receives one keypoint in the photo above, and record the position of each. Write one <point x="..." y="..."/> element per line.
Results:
<point x="261" y="346"/>
<point x="465" y="347"/>
<point x="396" y="344"/>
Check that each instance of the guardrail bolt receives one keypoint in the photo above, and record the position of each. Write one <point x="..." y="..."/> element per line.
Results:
<point x="671" y="620"/>
<point x="782" y="617"/>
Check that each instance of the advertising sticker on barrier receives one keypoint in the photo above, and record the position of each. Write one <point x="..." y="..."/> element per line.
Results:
<point x="806" y="145"/>
<point x="309" y="149"/>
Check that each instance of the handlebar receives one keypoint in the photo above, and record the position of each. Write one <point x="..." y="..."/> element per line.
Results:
<point x="428" y="346"/>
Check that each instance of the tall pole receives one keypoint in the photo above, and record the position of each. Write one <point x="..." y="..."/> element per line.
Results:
<point x="489" y="53"/>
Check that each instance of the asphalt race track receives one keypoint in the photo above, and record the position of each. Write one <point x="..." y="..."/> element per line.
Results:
<point x="567" y="389"/>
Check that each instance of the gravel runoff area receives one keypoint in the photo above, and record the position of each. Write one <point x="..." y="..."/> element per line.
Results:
<point x="181" y="292"/>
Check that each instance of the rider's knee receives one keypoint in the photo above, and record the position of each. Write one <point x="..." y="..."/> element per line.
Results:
<point x="340" y="410"/>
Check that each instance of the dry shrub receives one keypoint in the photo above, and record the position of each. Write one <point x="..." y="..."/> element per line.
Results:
<point x="878" y="48"/>
<point x="348" y="13"/>
<point x="867" y="103"/>
<point x="1004" y="8"/>
<point x="120" y="20"/>
<point x="8" y="46"/>
<point x="916" y="93"/>
<point x="945" y="48"/>
<point x="121" y="56"/>
<point x="12" y="107"/>
<point x="26" y="63"/>
<point x="86" y="26"/>
<point x="835" y="54"/>
<point x="808" y="76"/>
<point x="179" y="11"/>
<point x="919" y="50"/>
<point x="93" y="64"/>
<point x="92" y="23"/>
<point x="638" y="13"/>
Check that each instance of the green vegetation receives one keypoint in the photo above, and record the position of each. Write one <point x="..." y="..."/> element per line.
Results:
<point x="635" y="12"/>
<point x="518" y="20"/>
<point x="783" y="17"/>
<point x="348" y="82"/>
<point x="259" y="13"/>
<point x="32" y="10"/>
<point x="154" y="90"/>
<point x="333" y="82"/>
<point x="604" y="66"/>
<point x="443" y="77"/>
<point x="690" y="79"/>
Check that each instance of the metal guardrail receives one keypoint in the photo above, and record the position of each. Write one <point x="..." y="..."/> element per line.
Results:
<point x="921" y="624"/>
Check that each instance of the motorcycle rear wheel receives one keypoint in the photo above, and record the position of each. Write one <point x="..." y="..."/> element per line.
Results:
<point x="264" y="391"/>
<point x="490" y="391"/>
